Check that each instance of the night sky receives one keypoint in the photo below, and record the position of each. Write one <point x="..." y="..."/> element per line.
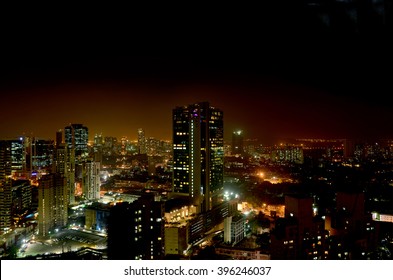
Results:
<point x="276" y="73"/>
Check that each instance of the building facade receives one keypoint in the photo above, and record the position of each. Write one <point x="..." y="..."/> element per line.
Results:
<point x="52" y="203"/>
<point x="5" y="205"/>
<point x="141" y="141"/>
<point x="234" y="229"/>
<point x="237" y="147"/>
<point x="76" y="137"/>
<point x="5" y="185"/>
<point x="136" y="229"/>
<point x="91" y="180"/>
<point x="198" y="154"/>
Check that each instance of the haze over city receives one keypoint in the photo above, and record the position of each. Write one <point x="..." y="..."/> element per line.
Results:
<point x="267" y="108"/>
<point x="273" y="75"/>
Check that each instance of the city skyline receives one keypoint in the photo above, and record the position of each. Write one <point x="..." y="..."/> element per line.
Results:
<point x="214" y="133"/>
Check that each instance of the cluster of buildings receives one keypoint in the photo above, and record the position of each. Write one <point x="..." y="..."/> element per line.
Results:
<point x="56" y="170"/>
<point x="50" y="170"/>
<point x="346" y="233"/>
<point x="143" y="220"/>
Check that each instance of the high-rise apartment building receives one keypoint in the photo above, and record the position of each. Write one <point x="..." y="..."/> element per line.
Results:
<point x="91" y="180"/>
<point x="141" y="141"/>
<point x="237" y="143"/>
<point x="21" y="196"/>
<point x="70" y="174"/>
<point x="5" y="159"/>
<point x="198" y="153"/>
<point x="98" y="147"/>
<point x="5" y="184"/>
<point x="124" y="142"/>
<point x="5" y="204"/>
<point x="18" y="159"/>
<point x="28" y="152"/>
<point x="76" y="137"/>
<point x="60" y="159"/>
<point x="52" y="203"/>
<point x="98" y="140"/>
<point x="42" y="154"/>
<point x="64" y="164"/>
<point x="13" y="158"/>
<point x="136" y="229"/>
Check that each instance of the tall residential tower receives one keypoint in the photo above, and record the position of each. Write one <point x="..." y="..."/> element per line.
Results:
<point x="141" y="141"/>
<point x="76" y="137"/>
<point x="237" y="143"/>
<point x="52" y="203"/>
<point x="5" y="185"/>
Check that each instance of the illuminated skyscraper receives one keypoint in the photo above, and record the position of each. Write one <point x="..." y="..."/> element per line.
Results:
<point x="60" y="159"/>
<point x="9" y="149"/>
<point x="141" y="141"/>
<point x="52" y="203"/>
<point x="5" y="185"/>
<point x="237" y="142"/>
<point x="64" y="164"/>
<point x="69" y="174"/>
<point x="124" y="142"/>
<point x="5" y="204"/>
<point x="98" y="147"/>
<point x="5" y="159"/>
<point x="76" y="137"/>
<point x="136" y="229"/>
<point x="13" y="158"/>
<point x="198" y="153"/>
<point x="91" y="180"/>
<point x="42" y="154"/>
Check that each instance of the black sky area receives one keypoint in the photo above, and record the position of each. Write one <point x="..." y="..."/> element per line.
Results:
<point x="277" y="70"/>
